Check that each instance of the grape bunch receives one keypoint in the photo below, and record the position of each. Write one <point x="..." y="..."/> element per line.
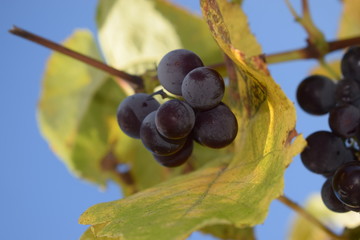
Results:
<point x="335" y="154"/>
<point x="197" y="113"/>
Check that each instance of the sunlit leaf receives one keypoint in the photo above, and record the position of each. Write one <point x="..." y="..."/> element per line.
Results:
<point x="76" y="110"/>
<point x="350" y="19"/>
<point x="135" y="35"/>
<point x="234" y="188"/>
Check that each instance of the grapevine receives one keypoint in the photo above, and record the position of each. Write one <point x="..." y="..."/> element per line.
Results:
<point x="216" y="137"/>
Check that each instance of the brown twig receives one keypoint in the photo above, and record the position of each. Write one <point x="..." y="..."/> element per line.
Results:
<point x="309" y="53"/>
<point x="133" y="79"/>
<point x="302" y="212"/>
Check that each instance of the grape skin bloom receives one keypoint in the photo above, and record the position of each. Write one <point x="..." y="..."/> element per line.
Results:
<point x="203" y="88"/>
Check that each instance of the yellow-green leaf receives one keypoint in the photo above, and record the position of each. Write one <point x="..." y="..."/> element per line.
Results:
<point x="91" y="232"/>
<point x="135" y="35"/>
<point x="76" y="110"/>
<point x="230" y="232"/>
<point x="234" y="188"/>
<point x="350" y="19"/>
<point x="233" y="26"/>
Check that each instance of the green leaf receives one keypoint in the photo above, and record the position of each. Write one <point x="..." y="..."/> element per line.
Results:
<point x="230" y="232"/>
<point x="91" y="232"/>
<point x="302" y="229"/>
<point x="76" y="110"/>
<point x="234" y="188"/>
<point x="350" y="19"/>
<point x="135" y="35"/>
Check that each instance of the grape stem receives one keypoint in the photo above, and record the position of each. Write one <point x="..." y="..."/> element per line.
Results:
<point x="310" y="52"/>
<point x="134" y="80"/>
<point x="302" y="212"/>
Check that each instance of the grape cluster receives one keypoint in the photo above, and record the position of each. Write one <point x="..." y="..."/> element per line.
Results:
<point x="196" y="113"/>
<point x="335" y="154"/>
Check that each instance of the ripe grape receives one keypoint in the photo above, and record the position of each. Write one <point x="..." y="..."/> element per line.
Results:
<point x="175" y="119"/>
<point x="350" y="64"/>
<point x="330" y="200"/>
<point x="316" y="94"/>
<point x="153" y="140"/>
<point x="346" y="184"/>
<point x="344" y="120"/>
<point x="215" y="128"/>
<point x="132" y="111"/>
<point x="178" y="158"/>
<point x="203" y="88"/>
<point x="174" y="66"/>
<point x="324" y="153"/>
<point x="347" y="91"/>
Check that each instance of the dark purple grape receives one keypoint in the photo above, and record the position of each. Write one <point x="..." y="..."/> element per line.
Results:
<point x="346" y="184"/>
<point x="347" y="92"/>
<point x="350" y="64"/>
<point x="178" y="158"/>
<point x="316" y="94"/>
<point x="215" y="128"/>
<point x="174" y="66"/>
<point x="324" y="153"/>
<point x="132" y="111"/>
<point x="330" y="200"/>
<point x="153" y="140"/>
<point x="175" y="119"/>
<point x="344" y="120"/>
<point x="203" y="88"/>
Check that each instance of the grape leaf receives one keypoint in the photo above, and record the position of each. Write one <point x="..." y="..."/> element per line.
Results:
<point x="135" y="35"/>
<point x="230" y="232"/>
<point x="232" y="189"/>
<point x="91" y="232"/>
<point x="350" y="19"/>
<point x="75" y="107"/>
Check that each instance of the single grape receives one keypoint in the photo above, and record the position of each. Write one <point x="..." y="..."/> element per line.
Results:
<point x="178" y="158"/>
<point x="344" y="120"/>
<point x="132" y="111"/>
<point x="154" y="142"/>
<point x="347" y="92"/>
<point x="203" y="88"/>
<point x="215" y="128"/>
<point x="350" y="64"/>
<point x="175" y="119"/>
<point x="330" y="200"/>
<point x="346" y="184"/>
<point x="316" y="94"/>
<point x="173" y="68"/>
<point x="324" y="153"/>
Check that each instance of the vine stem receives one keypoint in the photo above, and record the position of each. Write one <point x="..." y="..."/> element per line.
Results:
<point x="302" y="212"/>
<point x="309" y="52"/>
<point x="134" y="80"/>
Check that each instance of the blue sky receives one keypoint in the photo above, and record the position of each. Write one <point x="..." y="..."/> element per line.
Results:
<point x="40" y="199"/>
